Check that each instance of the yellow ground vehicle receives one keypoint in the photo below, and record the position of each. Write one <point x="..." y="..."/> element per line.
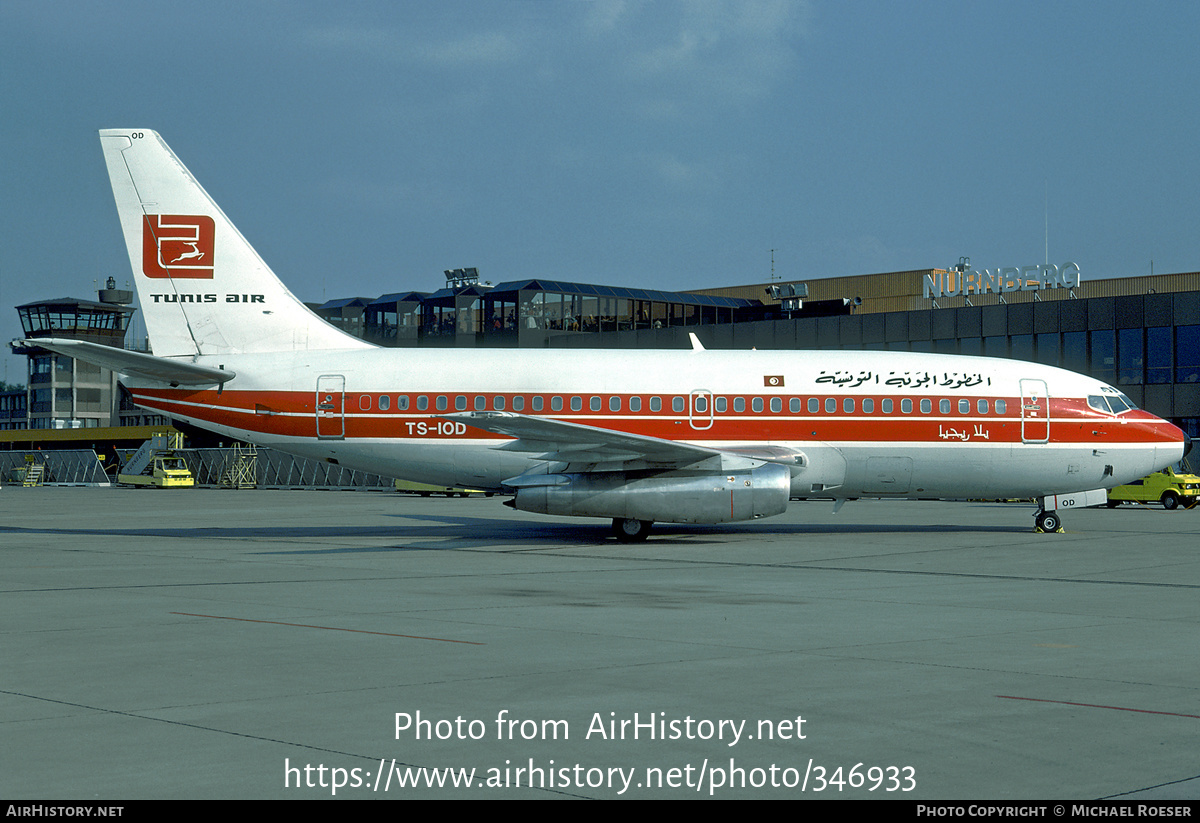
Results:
<point x="164" y="471"/>
<point x="425" y="489"/>
<point x="1166" y="487"/>
<point x="156" y="464"/>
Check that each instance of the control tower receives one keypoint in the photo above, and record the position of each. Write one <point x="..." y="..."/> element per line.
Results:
<point x="65" y="393"/>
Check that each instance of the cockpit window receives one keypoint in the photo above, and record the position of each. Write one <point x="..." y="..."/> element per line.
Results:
<point x="1110" y="403"/>
<point x="1119" y="397"/>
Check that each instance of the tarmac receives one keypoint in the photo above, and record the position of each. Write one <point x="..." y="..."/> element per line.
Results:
<point x="302" y="645"/>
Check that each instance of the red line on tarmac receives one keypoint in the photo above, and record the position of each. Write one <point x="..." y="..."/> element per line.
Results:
<point x="330" y="628"/>
<point x="1095" y="706"/>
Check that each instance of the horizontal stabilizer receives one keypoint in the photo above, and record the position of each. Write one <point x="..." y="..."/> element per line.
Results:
<point x="174" y="372"/>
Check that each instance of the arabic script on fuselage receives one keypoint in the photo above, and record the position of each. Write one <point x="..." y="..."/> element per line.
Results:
<point x="908" y="379"/>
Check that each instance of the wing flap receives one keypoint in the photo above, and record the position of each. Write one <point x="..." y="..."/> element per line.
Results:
<point x="577" y="444"/>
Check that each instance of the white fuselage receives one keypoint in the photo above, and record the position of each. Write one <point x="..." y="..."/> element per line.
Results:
<point x="867" y="423"/>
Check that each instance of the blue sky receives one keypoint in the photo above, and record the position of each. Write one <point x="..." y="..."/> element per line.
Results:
<point x="363" y="147"/>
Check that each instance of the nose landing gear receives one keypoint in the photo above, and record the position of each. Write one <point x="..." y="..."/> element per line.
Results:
<point x="1045" y="522"/>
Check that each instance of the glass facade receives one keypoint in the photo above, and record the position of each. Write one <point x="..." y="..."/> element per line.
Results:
<point x="530" y="313"/>
<point x="1187" y="354"/>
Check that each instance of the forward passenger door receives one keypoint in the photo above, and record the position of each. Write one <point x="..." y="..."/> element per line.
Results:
<point x="1035" y="411"/>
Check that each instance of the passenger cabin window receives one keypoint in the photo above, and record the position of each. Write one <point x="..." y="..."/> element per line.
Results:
<point x="594" y="403"/>
<point x="655" y="404"/>
<point x="677" y="404"/>
<point x="614" y="403"/>
<point x="518" y="403"/>
<point x="385" y="402"/>
<point x="556" y="403"/>
<point x="848" y="405"/>
<point x="576" y="403"/>
<point x="756" y="404"/>
<point x="887" y="405"/>
<point x="964" y="406"/>
<point x="906" y="405"/>
<point x="422" y="403"/>
<point x="402" y="402"/>
<point x="480" y="402"/>
<point x="635" y="404"/>
<point x="538" y="403"/>
<point x="830" y="405"/>
<point x="814" y="405"/>
<point x="441" y="402"/>
<point x="460" y="403"/>
<point x="926" y="406"/>
<point x="776" y="405"/>
<point x="739" y="404"/>
<point x="944" y="406"/>
<point x="498" y="402"/>
<point x="1001" y="406"/>
<point x="868" y="406"/>
<point x="722" y="405"/>
<point x="982" y="406"/>
<point x="794" y="405"/>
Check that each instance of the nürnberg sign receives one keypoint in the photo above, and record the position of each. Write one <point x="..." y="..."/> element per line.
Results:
<point x="1012" y="278"/>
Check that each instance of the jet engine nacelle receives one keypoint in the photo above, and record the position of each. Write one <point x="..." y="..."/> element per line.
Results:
<point x="675" y="497"/>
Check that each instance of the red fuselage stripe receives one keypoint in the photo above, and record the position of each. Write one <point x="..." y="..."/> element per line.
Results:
<point x="357" y="415"/>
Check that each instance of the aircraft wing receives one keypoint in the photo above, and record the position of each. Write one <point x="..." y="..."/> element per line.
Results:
<point x="593" y="449"/>
<point x="577" y="444"/>
<point x="174" y="372"/>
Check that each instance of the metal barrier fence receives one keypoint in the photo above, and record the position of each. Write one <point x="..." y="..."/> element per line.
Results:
<point x="68" y="467"/>
<point x="237" y="468"/>
<point x="272" y="469"/>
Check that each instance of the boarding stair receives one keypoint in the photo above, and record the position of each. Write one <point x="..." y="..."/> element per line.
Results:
<point x="35" y="473"/>
<point x="157" y="463"/>
<point x="242" y="469"/>
<point x="158" y="442"/>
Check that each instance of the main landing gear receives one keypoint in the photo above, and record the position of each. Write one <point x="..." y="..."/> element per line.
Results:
<point x="628" y="530"/>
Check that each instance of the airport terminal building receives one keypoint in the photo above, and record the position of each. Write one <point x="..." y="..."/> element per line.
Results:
<point x="1139" y="333"/>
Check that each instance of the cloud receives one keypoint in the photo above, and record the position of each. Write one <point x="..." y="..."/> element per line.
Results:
<point x="680" y="174"/>
<point x="669" y="58"/>
<point x="604" y="16"/>
<point x="488" y="47"/>
<point x="718" y="51"/>
<point x="469" y="49"/>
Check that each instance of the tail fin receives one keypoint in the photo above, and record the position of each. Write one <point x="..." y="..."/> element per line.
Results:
<point x="203" y="289"/>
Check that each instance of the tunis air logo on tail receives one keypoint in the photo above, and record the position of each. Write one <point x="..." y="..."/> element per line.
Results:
<point x="178" y="246"/>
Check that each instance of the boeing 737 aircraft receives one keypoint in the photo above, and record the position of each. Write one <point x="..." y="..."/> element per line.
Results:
<point x="690" y="436"/>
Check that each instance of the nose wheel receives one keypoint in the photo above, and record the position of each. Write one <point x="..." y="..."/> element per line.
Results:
<point x="1047" y="522"/>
